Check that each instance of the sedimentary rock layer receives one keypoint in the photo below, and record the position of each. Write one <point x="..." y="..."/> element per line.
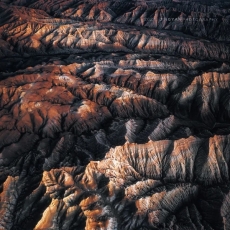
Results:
<point x="114" y="115"/>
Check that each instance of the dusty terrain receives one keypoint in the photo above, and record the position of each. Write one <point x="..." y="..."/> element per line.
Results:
<point x="114" y="115"/>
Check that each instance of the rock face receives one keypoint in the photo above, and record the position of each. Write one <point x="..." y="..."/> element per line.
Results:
<point x="114" y="115"/>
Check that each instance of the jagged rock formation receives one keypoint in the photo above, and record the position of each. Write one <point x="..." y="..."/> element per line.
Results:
<point x="114" y="115"/>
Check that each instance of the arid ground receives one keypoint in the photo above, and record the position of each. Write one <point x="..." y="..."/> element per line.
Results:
<point x="114" y="115"/>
